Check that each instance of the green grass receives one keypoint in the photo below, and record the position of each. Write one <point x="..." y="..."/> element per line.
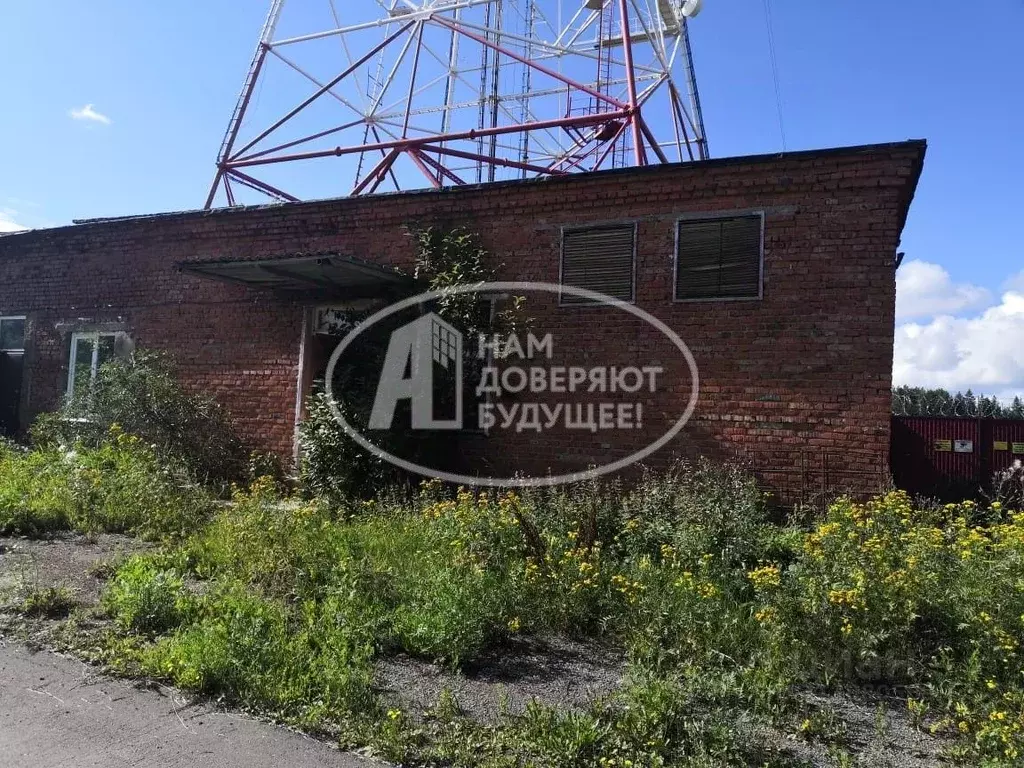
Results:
<point x="722" y="615"/>
<point x="146" y="599"/>
<point x="48" y="603"/>
<point x="118" y="487"/>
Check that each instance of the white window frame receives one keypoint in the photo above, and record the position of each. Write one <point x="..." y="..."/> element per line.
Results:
<point x="95" y="337"/>
<point x="13" y="350"/>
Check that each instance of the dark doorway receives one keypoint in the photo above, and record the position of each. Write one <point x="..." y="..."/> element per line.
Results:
<point x="11" y="364"/>
<point x="12" y="357"/>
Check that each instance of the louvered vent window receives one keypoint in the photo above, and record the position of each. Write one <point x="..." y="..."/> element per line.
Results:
<point x="719" y="258"/>
<point x="599" y="259"/>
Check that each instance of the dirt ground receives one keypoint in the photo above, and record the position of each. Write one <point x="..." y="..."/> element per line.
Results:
<point x="553" y="671"/>
<point x="874" y="729"/>
<point x="65" y="561"/>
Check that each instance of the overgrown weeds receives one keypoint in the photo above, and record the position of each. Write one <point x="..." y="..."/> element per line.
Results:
<point x="142" y="396"/>
<point x="48" y="603"/>
<point x="119" y="486"/>
<point x="142" y="597"/>
<point x="284" y="605"/>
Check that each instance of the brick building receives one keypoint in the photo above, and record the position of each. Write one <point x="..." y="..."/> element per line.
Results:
<point x="777" y="270"/>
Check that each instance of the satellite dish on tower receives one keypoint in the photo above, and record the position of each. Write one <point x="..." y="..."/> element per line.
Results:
<point x="691" y="8"/>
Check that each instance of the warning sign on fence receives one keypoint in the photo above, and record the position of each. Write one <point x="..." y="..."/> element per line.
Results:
<point x="963" y="446"/>
<point x="1000" y="445"/>
<point x="944" y="446"/>
<point x="1018" y="448"/>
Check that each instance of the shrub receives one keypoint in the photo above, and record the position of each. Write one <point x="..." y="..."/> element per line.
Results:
<point x="48" y="603"/>
<point x="118" y="487"/>
<point x="700" y="509"/>
<point x="333" y="466"/>
<point x="1008" y="487"/>
<point x="8" y="445"/>
<point x="142" y="396"/>
<point x="146" y="599"/>
<point x="244" y="648"/>
<point x="35" y="497"/>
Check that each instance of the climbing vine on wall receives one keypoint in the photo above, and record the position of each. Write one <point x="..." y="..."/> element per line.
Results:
<point x="333" y="464"/>
<point x="447" y="258"/>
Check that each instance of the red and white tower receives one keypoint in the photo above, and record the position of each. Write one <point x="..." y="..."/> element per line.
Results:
<point x="359" y="96"/>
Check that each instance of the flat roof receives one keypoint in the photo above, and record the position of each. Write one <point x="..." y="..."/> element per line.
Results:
<point x="918" y="145"/>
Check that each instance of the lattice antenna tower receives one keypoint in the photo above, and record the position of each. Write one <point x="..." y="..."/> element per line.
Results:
<point x="351" y="97"/>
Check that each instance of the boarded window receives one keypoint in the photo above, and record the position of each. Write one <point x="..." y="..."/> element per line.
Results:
<point x="719" y="258"/>
<point x="599" y="259"/>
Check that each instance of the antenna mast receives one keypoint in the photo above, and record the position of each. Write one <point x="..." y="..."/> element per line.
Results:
<point x="400" y="94"/>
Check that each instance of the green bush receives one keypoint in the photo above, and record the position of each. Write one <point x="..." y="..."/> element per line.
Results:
<point x="146" y="599"/>
<point x="118" y="487"/>
<point x="333" y="466"/>
<point x="35" y="497"/>
<point x="143" y="397"/>
<point x="309" y="664"/>
<point x="699" y="509"/>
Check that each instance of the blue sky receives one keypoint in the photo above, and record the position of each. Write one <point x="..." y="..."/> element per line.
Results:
<point x="166" y="77"/>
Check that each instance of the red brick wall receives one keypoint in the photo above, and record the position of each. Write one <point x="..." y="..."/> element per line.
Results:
<point x="785" y="380"/>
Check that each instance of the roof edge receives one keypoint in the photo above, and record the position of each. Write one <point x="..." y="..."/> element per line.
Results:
<point x="918" y="145"/>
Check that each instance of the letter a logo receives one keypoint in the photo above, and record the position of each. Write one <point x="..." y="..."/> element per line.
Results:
<point x="423" y="365"/>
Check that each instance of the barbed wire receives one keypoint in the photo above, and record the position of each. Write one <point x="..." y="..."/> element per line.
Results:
<point x="968" y="406"/>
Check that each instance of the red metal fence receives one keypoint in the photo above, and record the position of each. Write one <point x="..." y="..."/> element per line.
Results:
<point x="952" y="458"/>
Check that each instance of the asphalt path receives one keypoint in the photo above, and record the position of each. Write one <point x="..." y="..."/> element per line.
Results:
<point x="56" y="711"/>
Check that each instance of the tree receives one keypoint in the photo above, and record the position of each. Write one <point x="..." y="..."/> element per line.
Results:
<point x="918" y="401"/>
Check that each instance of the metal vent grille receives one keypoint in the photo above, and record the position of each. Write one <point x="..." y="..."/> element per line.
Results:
<point x="599" y="259"/>
<point x="719" y="258"/>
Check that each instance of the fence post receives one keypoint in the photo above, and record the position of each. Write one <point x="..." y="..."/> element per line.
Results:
<point x="985" y="448"/>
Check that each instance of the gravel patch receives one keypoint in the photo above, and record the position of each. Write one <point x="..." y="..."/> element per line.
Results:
<point x="876" y="732"/>
<point x="67" y="560"/>
<point x="553" y="671"/>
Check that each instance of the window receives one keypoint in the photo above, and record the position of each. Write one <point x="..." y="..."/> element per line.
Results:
<point x="719" y="258"/>
<point x="447" y="345"/>
<point x="12" y="334"/>
<point x="88" y="352"/>
<point x="599" y="259"/>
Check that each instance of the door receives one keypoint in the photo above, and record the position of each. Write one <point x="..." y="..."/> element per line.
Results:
<point x="10" y="391"/>
<point x="12" y="363"/>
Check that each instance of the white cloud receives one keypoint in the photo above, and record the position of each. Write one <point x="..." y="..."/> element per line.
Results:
<point x="89" y="113"/>
<point x="925" y="290"/>
<point x="1015" y="283"/>
<point x="984" y="353"/>
<point x="8" y="223"/>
